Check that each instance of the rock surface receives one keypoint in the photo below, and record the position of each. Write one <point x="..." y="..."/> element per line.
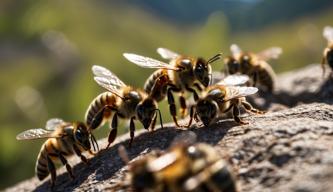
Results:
<point x="287" y="149"/>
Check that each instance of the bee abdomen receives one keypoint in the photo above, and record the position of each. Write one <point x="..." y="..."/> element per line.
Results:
<point x="41" y="164"/>
<point x="102" y="100"/>
<point x="266" y="78"/>
<point x="156" y="84"/>
<point x="223" y="180"/>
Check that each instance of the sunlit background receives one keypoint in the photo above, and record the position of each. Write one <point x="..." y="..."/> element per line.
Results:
<point x="47" y="49"/>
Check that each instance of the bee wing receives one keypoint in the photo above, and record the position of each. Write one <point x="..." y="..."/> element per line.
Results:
<point x="100" y="71"/>
<point x="38" y="133"/>
<point x="52" y="124"/>
<point x="236" y="92"/>
<point x="270" y="53"/>
<point x="184" y="138"/>
<point x="147" y="62"/>
<point x="108" y="85"/>
<point x="167" y="54"/>
<point x="328" y="33"/>
<point x="235" y="50"/>
<point x="233" y="80"/>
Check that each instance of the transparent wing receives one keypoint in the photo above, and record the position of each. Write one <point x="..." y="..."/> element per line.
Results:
<point x="233" y="80"/>
<point x="52" y="124"/>
<point x="184" y="138"/>
<point x="38" y="133"/>
<point x="108" y="85"/>
<point x="236" y="92"/>
<point x="167" y="54"/>
<point x="147" y="62"/>
<point x="100" y="71"/>
<point x="235" y="50"/>
<point x="328" y="33"/>
<point x="270" y="53"/>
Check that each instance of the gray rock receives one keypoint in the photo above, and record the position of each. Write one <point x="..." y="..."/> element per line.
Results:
<point x="289" y="149"/>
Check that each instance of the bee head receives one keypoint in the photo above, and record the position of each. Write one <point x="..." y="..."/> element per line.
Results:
<point x="146" y="111"/>
<point x="202" y="71"/>
<point x="82" y="135"/>
<point x="232" y="64"/>
<point x="206" y="110"/>
<point x="245" y="63"/>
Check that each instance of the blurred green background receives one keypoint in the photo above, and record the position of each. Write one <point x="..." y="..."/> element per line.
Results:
<point x="48" y="47"/>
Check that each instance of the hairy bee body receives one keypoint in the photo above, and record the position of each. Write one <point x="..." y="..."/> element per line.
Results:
<point x="185" y="77"/>
<point x="328" y="51"/>
<point x="63" y="140"/>
<point x="220" y="99"/>
<point x="182" y="73"/>
<point x="51" y="148"/>
<point x="254" y="65"/>
<point x="97" y="104"/>
<point x="124" y="101"/>
<point x="328" y="55"/>
<point x="183" y="168"/>
<point x="260" y="71"/>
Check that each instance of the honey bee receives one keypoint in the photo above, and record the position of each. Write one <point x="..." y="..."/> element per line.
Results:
<point x="182" y="168"/>
<point x="125" y="101"/>
<point x="253" y="65"/>
<point x="63" y="139"/>
<point x="182" y="74"/>
<point x="221" y="98"/>
<point x="328" y="51"/>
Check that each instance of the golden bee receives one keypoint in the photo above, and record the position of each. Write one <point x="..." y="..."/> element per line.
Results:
<point x="253" y="65"/>
<point x="63" y="140"/>
<point x="221" y="98"/>
<point x="184" y="73"/>
<point x="328" y="51"/>
<point x="125" y="101"/>
<point x="182" y="168"/>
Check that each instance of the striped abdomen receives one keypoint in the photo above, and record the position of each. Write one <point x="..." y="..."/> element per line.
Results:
<point x="156" y="84"/>
<point x="102" y="100"/>
<point x="266" y="77"/>
<point x="50" y="149"/>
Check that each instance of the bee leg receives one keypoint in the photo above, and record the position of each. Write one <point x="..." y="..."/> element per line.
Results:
<point x="182" y="106"/>
<point x="192" y="115"/>
<point x="65" y="162"/>
<point x="172" y="105"/>
<point x="52" y="170"/>
<point x="98" y="119"/>
<point x="132" y="130"/>
<point x="153" y="123"/>
<point x="113" y="132"/>
<point x="323" y="61"/>
<point x="249" y="107"/>
<point x="255" y="79"/>
<point x="235" y="113"/>
<point x="78" y="153"/>
<point x="195" y="94"/>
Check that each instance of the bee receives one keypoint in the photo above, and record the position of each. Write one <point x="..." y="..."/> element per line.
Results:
<point x="125" y="101"/>
<point x="182" y="168"/>
<point x="221" y="98"/>
<point x="328" y="51"/>
<point x="184" y="73"/>
<point x="63" y="140"/>
<point x="253" y="65"/>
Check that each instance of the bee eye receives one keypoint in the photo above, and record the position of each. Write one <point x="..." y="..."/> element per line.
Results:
<point x="193" y="152"/>
<point x="78" y="135"/>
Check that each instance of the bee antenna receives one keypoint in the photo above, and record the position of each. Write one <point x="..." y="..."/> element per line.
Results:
<point x="215" y="58"/>
<point x="159" y="112"/>
<point x="123" y="154"/>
